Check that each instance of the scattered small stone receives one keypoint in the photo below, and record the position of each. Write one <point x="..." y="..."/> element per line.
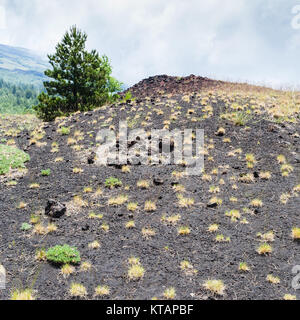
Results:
<point x="86" y="228"/>
<point x="212" y="205"/>
<point x="220" y="134"/>
<point x="297" y="158"/>
<point x="158" y="181"/>
<point x="91" y="158"/>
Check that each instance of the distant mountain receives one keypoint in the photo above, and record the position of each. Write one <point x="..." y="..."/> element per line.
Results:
<point x="19" y="65"/>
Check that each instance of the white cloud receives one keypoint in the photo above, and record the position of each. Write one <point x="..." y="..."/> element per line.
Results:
<point x="236" y="39"/>
<point x="2" y="17"/>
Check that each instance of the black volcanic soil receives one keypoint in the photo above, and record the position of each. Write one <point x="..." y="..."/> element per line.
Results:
<point x="161" y="254"/>
<point x="164" y="84"/>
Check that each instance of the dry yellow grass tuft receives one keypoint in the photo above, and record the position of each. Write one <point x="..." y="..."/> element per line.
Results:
<point x="118" y="201"/>
<point x="136" y="271"/>
<point x="143" y="184"/>
<point x="150" y="206"/>
<point x="170" y="293"/>
<point x="67" y="270"/>
<point x="215" y="286"/>
<point x="267" y="237"/>
<point x="288" y="297"/>
<point x="132" y="206"/>
<point x="130" y="225"/>
<point x="264" y="249"/>
<point x="94" y="245"/>
<point x="148" y="233"/>
<point x="172" y="220"/>
<point x="185" y="202"/>
<point x="272" y="279"/>
<point x="22" y="295"/>
<point x="101" y="291"/>
<point x="243" y="267"/>
<point x="184" y="231"/>
<point x="296" y="233"/>
<point x="85" y="266"/>
<point x="78" y="290"/>
<point x="213" y="228"/>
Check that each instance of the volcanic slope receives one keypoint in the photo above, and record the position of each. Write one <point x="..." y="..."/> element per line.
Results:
<point x="156" y="232"/>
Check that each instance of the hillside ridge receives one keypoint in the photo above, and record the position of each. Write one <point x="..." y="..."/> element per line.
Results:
<point x="20" y="65"/>
<point x="164" y="84"/>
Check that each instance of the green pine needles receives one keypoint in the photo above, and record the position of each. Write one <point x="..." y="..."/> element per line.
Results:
<point x="79" y="80"/>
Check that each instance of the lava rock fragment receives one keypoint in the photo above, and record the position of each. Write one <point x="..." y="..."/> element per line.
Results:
<point x="55" y="209"/>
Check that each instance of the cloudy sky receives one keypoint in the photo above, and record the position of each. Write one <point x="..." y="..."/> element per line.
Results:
<point x="257" y="40"/>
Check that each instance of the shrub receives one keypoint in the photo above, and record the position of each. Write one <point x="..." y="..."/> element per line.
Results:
<point x="63" y="255"/>
<point x="26" y="226"/>
<point x="128" y="97"/>
<point x="113" y="183"/>
<point x="46" y="173"/>
<point x="64" y="131"/>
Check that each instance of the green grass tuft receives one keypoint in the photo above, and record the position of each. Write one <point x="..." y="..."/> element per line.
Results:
<point x="11" y="158"/>
<point x="63" y="255"/>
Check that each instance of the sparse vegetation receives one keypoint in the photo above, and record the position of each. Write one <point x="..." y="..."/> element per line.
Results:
<point x="132" y="206"/>
<point x="296" y="233"/>
<point x="289" y="297"/>
<point x="118" y="201"/>
<point x="213" y="228"/>
<point x="170" y="293"/>
<point x="136" y="271"/>
<point x="78" y="290"/>
<point x="143" y="184"/>
<point x="264" y="249"/>
<point x="113" y="183"/>
<point x="11" y="158"/>
<point x="185" y="202"/>
<point x="22" y="295"/>
<point x="26" y="226"/>
<point x="244" y="267"/>
<point x="64" y="131"/>
<point x="94" y="245"/>
<point x="215" y="286"/>
<point x="101" y="291"/>
<point x="240" y="213"/>
<point x="85" y="266"/>
<point x="63" y="255"/>
<point x="150" y="206"/>
<point x="66" y="270"/>
<point x="183" y="231"/>
<point x="46" y="173"/>
<point x="272" y="279"/>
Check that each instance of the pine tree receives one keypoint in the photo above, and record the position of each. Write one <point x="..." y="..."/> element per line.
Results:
<point x="79" y="80"/>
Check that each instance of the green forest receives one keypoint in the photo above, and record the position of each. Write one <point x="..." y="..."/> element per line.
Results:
<point x="17" y="98"/>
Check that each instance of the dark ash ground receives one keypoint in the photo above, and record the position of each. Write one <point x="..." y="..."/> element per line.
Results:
<point x="161" y="254"/>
